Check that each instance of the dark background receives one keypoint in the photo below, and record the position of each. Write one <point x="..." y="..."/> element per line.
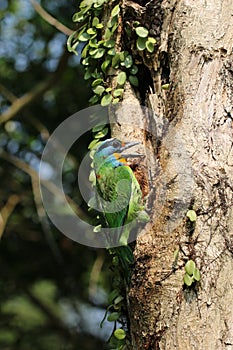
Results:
<point x="53" y="291"/>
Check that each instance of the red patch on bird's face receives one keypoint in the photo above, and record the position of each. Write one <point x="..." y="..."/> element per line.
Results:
<point x="98" y="176"/>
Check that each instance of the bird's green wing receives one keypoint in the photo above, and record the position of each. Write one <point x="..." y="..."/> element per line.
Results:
<point x="120" y="198"/>
<point x="114" y="186"/>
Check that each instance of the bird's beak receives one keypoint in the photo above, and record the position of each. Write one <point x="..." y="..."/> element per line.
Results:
<point x="127" y="145"/>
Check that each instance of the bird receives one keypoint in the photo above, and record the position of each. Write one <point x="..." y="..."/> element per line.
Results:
<point x="118" y="192"/>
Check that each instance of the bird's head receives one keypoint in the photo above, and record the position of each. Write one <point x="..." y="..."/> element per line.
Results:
<point x="112" y="150"/>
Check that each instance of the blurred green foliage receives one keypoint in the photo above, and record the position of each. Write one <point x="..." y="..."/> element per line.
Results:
<point x="50" y="298"/>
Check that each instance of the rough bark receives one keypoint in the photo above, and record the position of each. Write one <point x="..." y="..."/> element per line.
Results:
<point x="192" y="168"/>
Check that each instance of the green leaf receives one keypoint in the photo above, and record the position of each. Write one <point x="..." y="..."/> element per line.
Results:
<point x="123" y="55"/>
<point x="86" y="3"/>
<point x="106" y="100"/>
<point x="118" y="299"/>
<point x="82" y="14"/>
<point x="98" y="53"/>
<point x="99" y="3"/>
<point x="94" y="99"/>
<point x="141" y="44"/>
<point x="91" y="31"/>
<point x="196" y="274"/>
<point x="96" y="75"/>
<point x="87" y="75"/>
<point x="112" y="52"/>
<point x="98" y="127"/>
<point x="165" y="86"/>
<point x="128" y="61"/>
<point x="92" y="178"/>
<point x="84" y="37"/>
<point x="101" y="133"/>
<point x="112" y="22"/>
<point x="114" y="27"/>
<point x="86" y="61"/>
<point x="136" y="24"/>
<point x="85" y="51"/>
<point x="115" y="101"/>
<point x="95" y="21"/>
<point x="142" y="32"/>
<point x="108" y="89"/>
<point x="79" y="16"/>
<point x="113" y="294"/>
<point x="191" y="214"/>
<point x="115" y="261"/>
<point x="116" y="60"/>
<point x="96" y="82"/>
<point x="113" y="316"/>
<point x="120" y="334"/>
<point x="190" y="267"/>
<point x="133" y="80"/>
<point x="115" y="10"/>
<point x="134" y="70"/>
<point x="93" y="43"/>
<point x="98" y="90"/>
<point x="72" y="43"/>
<point x="121" y="78"/>
<point x="118" y="92"/>
<point x="151" y="40"/>
<point x="188" y="280"/>
<point x="109" y="43"/>
<point x="107" y="34"/>
<point x="150" y="46"/>
<point x="105" y="64"/>
<point x="97" y="228"/>
<point x="93" y="143"/>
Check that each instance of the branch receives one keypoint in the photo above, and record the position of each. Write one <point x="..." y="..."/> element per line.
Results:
<point x="36" y="92"/>
<point x="50" y="19"/>
<point x="7" y="210"/>
<point x="9" y="96"/>
<point x="36" y="123"/>
<point x="34" y="174"/>
<point x="44" y="220"/>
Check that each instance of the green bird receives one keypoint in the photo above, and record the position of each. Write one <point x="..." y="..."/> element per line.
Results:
<point x="119" y="196"/>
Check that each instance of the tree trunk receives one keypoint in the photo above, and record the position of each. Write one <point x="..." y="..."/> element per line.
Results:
<point x="192" y="169"/>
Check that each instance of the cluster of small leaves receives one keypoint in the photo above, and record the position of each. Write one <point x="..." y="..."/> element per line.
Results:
<point x="115" y="309"/>
<point x="192" y="274"/>
<point x="117" y="340"/>
<point x="144" y="41"/>
<point x="99" y="132"/>
<point x="99" y="56"/>
<point x="98" y="50"/>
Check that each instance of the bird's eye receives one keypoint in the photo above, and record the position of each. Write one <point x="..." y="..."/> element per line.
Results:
<point x="116" y="144"/>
